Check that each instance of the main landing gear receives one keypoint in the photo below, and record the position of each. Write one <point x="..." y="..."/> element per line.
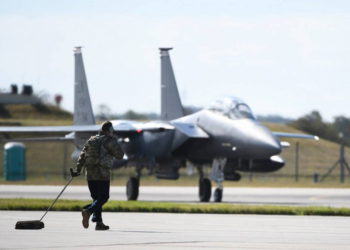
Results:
<point x="132" y="188"/>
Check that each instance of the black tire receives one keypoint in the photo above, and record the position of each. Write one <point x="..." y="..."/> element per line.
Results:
<point x="132" y="189"/>
<point x="204" y="190"/>
<point x="218" y="195"/>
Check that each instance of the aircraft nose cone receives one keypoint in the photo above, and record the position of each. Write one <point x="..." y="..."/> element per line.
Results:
<point x="269" y="145"/>
<point x="261" y="143"/>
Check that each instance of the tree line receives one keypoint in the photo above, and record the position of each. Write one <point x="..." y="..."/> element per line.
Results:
<point x="337" y="131"/>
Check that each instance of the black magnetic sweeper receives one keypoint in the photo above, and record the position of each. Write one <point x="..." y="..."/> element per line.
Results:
<point x="38" y="224"/>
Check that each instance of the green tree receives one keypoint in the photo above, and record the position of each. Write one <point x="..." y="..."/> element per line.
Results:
<point x="313" y="124"/>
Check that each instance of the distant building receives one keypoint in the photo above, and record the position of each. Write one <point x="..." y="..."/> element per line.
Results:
<point x="26" y="96"/>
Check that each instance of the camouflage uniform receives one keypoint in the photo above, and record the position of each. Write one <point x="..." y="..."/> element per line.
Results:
<point x="97" y="158"/>
<point x="99" y="167"/>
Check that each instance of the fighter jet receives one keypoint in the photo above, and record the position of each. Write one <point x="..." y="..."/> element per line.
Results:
<point x="224" y="137"/>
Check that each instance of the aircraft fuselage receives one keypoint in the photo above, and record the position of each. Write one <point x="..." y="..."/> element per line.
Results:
<point x="244" y="139"/>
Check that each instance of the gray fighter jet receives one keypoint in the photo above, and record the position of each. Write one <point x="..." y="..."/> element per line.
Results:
<point x="225" y="137"/>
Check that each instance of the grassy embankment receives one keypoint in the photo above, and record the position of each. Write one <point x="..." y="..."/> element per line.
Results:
<point x="46" y="162"/>
<point x="169" y="207"/>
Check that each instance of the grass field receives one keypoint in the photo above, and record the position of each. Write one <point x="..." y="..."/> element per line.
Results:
<point x="170" y="207"/>
<point x="47" y="162"/>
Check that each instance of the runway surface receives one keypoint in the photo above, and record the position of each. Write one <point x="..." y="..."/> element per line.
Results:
<point x="63" y="230"/>
<point x="274" y="196"/>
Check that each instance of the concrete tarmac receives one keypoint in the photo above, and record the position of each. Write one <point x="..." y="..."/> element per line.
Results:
<point x="63" y="230"/>
<point x="332" y="197"/>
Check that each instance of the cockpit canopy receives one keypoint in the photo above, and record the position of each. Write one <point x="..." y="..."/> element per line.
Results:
<point x="232" y="107"/>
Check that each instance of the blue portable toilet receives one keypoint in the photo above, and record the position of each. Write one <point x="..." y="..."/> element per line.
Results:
<point x="14" y="161"/>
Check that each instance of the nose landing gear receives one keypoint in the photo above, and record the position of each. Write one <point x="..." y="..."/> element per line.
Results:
<point x="218" y="194"/>
<point x="217" y="175"/>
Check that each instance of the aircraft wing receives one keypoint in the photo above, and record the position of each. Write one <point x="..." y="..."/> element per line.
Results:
<point x="40" y="139"/>
<point x="292" y="135"/>
<point x="49" y="129"/>
<point x="118" y="125"/>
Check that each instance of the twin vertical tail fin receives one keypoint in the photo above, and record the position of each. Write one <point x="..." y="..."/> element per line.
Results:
<point x="83" y="114"/>
<point x="171" y="107"/>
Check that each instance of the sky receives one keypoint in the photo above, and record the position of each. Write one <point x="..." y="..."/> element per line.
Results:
<point x="285" y="57"/>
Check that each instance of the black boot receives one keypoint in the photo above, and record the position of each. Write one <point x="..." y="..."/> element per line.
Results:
<point x="101" y="226"/>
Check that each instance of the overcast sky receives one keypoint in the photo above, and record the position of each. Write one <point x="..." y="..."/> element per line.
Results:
<point x="281" y="57"/>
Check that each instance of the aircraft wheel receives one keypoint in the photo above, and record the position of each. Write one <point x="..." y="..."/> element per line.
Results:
<point x="132" y="188"/>
<point x="204" y="190"/>
<point x="218" y="195"/>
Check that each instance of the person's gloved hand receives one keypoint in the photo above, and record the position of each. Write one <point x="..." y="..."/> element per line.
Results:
<point x="74" y="173"/>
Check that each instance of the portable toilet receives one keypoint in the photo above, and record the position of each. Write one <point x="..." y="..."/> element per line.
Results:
<point x="14" y="161"/>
